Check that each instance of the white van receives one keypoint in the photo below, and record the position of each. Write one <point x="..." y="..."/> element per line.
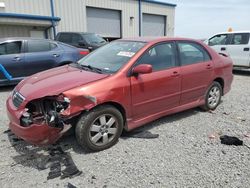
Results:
<point x="235" y="44"/>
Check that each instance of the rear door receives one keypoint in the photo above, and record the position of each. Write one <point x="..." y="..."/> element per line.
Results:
<point x="41" y="55"/>
<point x="159" y="90"/>
<point x="196" y="71"/>
<point x="12" y="58"/>
<point x="239" y="49"/>
<point x="219" y="42"/>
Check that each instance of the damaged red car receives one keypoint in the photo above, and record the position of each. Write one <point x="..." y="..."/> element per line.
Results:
<point x="122" y="85"/>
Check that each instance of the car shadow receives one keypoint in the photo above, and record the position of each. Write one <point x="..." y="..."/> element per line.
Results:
<point x="33" y="156"/>
<point x="159" y="122"/>
<point x="6" y="88"/>
<point x="241" y="72"/>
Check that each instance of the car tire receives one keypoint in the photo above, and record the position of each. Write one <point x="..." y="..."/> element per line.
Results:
<point x="213" y="96"/>
<point x="100" y="128"/>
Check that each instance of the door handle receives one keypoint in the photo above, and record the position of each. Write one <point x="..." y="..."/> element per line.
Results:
<point x="209" y="66"/>
<point x="223" y="49"/>
<point x="16" y="59"/>
<point x="246" y="49"/>
<point x="175" y="74"/>
<point x="56" y="55"/>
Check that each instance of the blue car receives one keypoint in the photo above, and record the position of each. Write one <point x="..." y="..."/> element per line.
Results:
<point x="22" y="57"/>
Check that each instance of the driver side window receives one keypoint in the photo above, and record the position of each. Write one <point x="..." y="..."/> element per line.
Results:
<point x="161" y="56"/>
<point x="218" y="40"/>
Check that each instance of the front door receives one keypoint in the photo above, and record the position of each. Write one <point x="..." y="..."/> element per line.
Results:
<point x="219" y="42"/>
<point x="160" y="90"/>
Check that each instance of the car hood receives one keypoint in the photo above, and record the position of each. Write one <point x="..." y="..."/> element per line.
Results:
<point x="55" y="81"/>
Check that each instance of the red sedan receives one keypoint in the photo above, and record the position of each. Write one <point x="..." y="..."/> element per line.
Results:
<point x="122" y="85"/>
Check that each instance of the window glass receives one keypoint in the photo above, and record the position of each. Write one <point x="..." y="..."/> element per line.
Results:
<point x="218" y="40"/>
<point x="191" y="53"/>
<point x="240" y="38"/>
<point x="93" y="39"/>
<point x="65" y="37"/>
<point x="112" y="56"/>
<point x="10" y="48"/>
<point x="38" y="46"/>
<point x="75" y="39"/>
<point x="160" y="57"/>
<point x="52" y="46"/>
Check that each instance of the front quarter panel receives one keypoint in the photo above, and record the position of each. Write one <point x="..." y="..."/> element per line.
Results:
<point x="114" y="89"/>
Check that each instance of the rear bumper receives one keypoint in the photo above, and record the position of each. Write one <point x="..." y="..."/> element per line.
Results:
<point x="34" y="134"/>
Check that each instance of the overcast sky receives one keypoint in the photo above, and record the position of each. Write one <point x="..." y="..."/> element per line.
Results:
<point x="201" y="19"/>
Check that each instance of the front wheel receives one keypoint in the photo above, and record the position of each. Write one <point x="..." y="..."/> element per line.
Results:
<point x="213" y="96"/>
<point x="99" y="128"/>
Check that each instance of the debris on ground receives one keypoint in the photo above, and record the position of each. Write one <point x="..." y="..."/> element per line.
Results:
<point x="226" y="113"/>
<point x="140" y="134"/>
<point x="231" y="140"/>
<point x="247" y="135"/>
<point x="58" y="160"/>
<point x="71" y="186"/>
<point x="212" y="112"/>
<point x="7" y="131"/>
<point x="213" y="136"/>
<point x="241" y="118"/>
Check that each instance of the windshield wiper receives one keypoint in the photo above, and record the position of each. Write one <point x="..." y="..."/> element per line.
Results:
<point x="94" y="69"/>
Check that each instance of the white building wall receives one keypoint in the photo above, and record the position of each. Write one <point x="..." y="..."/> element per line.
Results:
<point x="73" y="13"/>
<point x="36" y="7"/>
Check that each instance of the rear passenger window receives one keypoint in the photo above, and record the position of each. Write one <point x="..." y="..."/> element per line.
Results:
<point x="191" y="53"/>
<point x="240" y="38"/>
<point x="161" y="56"/>
<point x="38" y="46"/>
<point x="10" y="48"/>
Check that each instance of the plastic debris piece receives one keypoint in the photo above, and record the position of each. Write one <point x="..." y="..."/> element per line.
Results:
<point x="71" y="185"/>
<point x="231" y="140"/>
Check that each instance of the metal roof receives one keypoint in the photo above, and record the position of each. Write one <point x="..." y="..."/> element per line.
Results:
<point x="159" y="2"/>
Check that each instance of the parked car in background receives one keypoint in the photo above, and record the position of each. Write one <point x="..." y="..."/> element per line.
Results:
<point x="22" y="57"/>
<point x="88" y="41"/>
<point x="123" y="85"/>
<point x="236" y="44"/>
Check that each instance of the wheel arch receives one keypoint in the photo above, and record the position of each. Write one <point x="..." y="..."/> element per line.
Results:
<point x="221" y="82"/>
<point x="117" y="106"/>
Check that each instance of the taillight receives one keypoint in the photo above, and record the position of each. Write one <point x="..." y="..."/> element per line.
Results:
<point x="84" y="52"/>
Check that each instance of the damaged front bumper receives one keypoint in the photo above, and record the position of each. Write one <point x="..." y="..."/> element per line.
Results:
<point x="38" y="132"/>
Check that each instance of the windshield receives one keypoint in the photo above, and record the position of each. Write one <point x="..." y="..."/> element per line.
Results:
<point x="112" y="56"/>
<point x="93" y="38"/>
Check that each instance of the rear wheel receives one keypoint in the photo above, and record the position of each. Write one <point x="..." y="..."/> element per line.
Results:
<point x="99" y="128"/>
<point x="213" y="96"/>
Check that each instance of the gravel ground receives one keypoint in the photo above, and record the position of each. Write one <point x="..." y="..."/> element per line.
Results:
<point x="183" y="155"/>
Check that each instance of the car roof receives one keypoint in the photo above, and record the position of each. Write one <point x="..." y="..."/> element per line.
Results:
<point x="81" y="33"/>
<point x="156" y="39"/>
<point x="232" y="32"/>
<point x="21" y="38"/>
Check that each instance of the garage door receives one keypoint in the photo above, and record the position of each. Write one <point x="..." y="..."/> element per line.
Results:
<point x="104" y="22"/>
<point x="13" y="31"/>
<point x="153" y="25"/>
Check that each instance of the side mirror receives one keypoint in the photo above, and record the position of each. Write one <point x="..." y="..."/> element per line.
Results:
<point x="81" y="43"/>
<point x="142" y="69"/>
